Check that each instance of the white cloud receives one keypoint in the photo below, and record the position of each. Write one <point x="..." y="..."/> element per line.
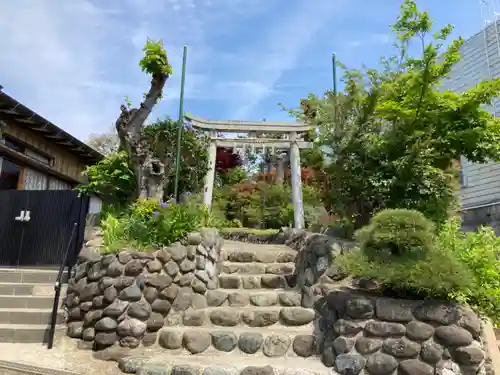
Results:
<point x="373" y="38"/>
<point x="381" y="38"/>
<point x="51" y="61"/>
<point x="73" y="62"/>
<point x="354" y="43"/>
<point x="283" y="47"/>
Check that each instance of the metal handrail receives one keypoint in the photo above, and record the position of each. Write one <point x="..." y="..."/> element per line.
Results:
<point x="57" y="288"/>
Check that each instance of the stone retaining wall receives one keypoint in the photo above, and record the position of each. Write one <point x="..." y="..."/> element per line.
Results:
<point x="380" y="335"/>
<point x="128" y="296"/>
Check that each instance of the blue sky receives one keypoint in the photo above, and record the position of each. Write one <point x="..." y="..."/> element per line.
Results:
<point x="74" y="61"/>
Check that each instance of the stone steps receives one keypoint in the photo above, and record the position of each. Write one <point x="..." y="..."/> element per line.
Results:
<point x="267" y="281"/>
<point x="268" y="342"/>
<point x="209" y="363"/>
<point x="251" y="316"/>
<point x="248" y="253"/>
<point x="252" y="268"/>
<point x="146" y="362"/>
<point x="278" y="297"/>
<point x="283" y="256"/>
<point x="248" y="246"/>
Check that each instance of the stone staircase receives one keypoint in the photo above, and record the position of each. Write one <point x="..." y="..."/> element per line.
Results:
<point x="253" y="319"/>
<point x="26" y="299"/>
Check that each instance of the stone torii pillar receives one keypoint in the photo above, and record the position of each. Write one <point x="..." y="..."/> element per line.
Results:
<point x="210" y="176"/>
<point x="298" y="207"/>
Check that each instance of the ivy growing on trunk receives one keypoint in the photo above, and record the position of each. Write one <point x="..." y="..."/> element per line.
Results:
<point x="149" y="170"/>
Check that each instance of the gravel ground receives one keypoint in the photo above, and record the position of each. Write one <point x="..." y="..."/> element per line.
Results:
<point x="63" y="356"/>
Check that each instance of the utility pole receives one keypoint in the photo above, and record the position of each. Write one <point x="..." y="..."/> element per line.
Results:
<point x="334" y="70"/>
<point x="179" y="130"/>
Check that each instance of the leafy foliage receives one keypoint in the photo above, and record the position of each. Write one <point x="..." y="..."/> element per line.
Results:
<point x="394" y="135"/>
<point x="155" y="60"/>
<point x="112" y="179"/>
<point x="148" y="224"/>
<point x="232" y="176"/>
<point x="452" y="265"/>
<point x="397" y="233"/>
<point x="479" y="252"/>
<point x="226" y="160"/>
<point x="161" y="137"/>
<point x="260" y="204"/>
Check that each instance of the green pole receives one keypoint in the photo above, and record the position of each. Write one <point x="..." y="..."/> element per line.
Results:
<point x="334" y="68"/>
<point x="179" y="130"/>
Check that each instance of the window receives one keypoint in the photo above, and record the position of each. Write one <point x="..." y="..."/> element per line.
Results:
<point x="31" y="152"/>
<point x="9" y="175"/>
<point x="12" y="144"/>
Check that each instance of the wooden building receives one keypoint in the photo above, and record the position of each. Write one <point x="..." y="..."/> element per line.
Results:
<point x="35" y="154"/>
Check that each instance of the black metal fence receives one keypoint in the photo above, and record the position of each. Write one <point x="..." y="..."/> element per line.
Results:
<point x="35" y="226"/>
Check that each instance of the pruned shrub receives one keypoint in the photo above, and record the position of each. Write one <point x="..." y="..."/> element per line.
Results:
<point x="397" y="233"/>
<point x="398" y="250"/>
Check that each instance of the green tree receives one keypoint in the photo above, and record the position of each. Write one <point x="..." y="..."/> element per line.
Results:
<point x="394" y="134"/>
<point x="105" y="143"/>
<point x="114" y="177"/>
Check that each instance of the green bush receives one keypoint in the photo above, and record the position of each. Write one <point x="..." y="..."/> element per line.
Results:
<point x="438" y="275"/>
<point x="397" y="233"/>
<point x="112" y="179"/>
<point x="479" y="252"/>
<point x="398" y="250"/>
<point x="342" y="228"/>
<point x="148" y="224"/>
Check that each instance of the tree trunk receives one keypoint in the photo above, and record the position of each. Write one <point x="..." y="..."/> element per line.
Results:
<point x="280" y="169"/>
<point x="149" y="171"/>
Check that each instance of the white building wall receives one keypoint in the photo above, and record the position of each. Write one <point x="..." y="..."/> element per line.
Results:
<point x="480" y="61"/>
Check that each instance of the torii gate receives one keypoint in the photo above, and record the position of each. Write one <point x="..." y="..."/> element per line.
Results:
<point x="293" y="141"/>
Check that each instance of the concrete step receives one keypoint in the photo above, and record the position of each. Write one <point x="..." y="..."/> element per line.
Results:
<point x="248" y="316"/>
<point x="24" y="289"/>
<point x="26" y="333"/>
<point x="255" y="297"/>
<point x="267" y="281"/>
<point x="254" y="268"/>
<point x="30" y="276"/>
<point x="24" y="316"/>
<point x="27" y="302"/>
